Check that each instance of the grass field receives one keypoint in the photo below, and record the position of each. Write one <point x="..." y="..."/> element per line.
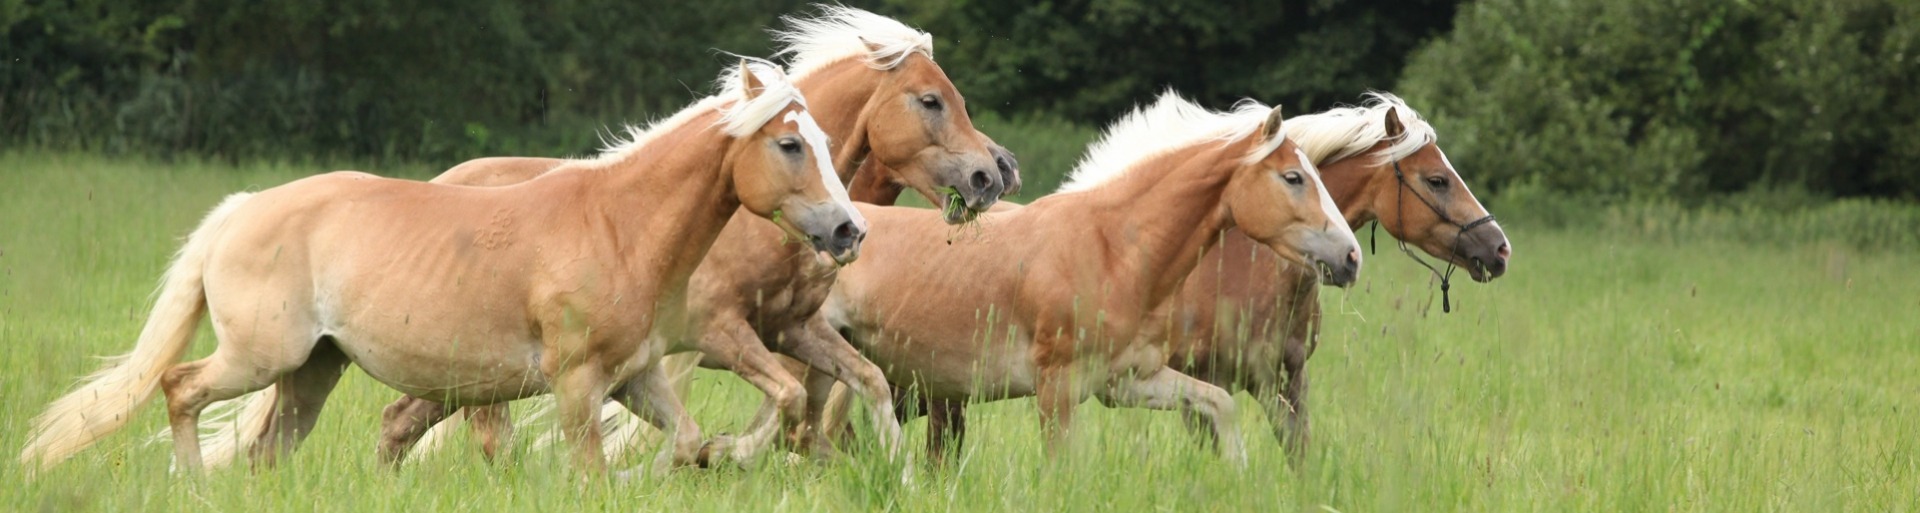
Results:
<point x="1606" y="372"/>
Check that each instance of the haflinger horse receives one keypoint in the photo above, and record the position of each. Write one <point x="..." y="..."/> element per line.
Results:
<point x="873" y="85"/>
<point x="468" y="295"/>
<point x="1247" y="319"/>
<point x="1052" y="299"/>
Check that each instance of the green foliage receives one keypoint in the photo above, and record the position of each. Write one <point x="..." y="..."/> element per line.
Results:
<point x="1088" y="61"/>
<point x="1676" y="98"/>
<point x="434" y="80"/>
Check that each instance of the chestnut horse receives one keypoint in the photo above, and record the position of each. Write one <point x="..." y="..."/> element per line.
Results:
<point x="1248" y="320"/>
<point x="467" y="295"/>
<point x="878" y="94"/>
<point x="1053" y="299"/>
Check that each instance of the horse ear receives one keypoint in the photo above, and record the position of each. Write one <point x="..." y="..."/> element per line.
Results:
<point x="1271" y="129"/>
<point x="872" y="46"/>
<point x="750" y="82"/>
<point x="1393" y="123"/>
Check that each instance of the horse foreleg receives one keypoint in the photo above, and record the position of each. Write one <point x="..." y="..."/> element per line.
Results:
<point x="650" y="394"/>
<point x="946" y="427"/>
<point x="1055" y="394"/>
<point x="734" y="345"/>
<point x="816" y="343"/>
<point x="1287" y="410"/>
<point x="493" y="425"/>
<point x="301" y="395"/>
<point x="579" y="390"/>
<point x="1168" y="389"/>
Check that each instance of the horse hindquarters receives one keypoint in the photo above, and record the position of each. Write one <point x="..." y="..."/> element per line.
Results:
<point x="105" y="401"/>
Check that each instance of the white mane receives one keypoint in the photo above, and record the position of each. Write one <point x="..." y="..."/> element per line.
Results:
<point x="1169" y="124"/>
<point x="738" y="119"/>
<point x="842" y="32"/>
<point x="1345" y="132"/>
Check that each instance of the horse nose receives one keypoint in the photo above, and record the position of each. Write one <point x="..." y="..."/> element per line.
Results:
<point x="980" y="180"/>
<point x="847" y="239"/>
<point x="1353" y="258"/>
<point x="1499" y="264"/>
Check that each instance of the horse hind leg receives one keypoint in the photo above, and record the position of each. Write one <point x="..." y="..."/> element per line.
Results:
<point x="403" y="423"/>
<point x="228" y="373"/>
<point x="301" y="395"/>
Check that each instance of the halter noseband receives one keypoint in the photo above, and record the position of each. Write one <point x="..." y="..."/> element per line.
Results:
<point x="1446" y="300"/>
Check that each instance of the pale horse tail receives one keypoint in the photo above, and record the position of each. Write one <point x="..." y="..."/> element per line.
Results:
<point x="621" y="432"/>
<point x="106" y="399"/>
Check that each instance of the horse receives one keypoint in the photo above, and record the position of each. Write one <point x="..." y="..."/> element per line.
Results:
<point x="1248" y="320"/>
<point x="468" y="295"/>
<point x="873" y="85"/>
<point x="1052" y="300"/>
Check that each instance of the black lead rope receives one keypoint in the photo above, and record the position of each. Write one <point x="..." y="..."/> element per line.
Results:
<point x="1446" y="278"/>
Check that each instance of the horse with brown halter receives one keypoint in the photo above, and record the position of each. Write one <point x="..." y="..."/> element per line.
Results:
<point x="1248" y="320"/>
<point x="468" y="295"/>
<point x="1052" y="300"/>
<point x="878" y="94"/>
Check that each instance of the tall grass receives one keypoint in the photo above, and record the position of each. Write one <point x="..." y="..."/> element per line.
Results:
<point x="1606" y="372"/>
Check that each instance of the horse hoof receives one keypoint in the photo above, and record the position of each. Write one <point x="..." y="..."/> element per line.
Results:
<point x="717" y="444"/>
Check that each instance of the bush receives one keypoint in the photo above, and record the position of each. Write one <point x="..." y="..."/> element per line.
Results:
<point x="1668" y="98"/>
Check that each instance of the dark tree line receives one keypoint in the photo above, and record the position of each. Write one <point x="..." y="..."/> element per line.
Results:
<point x="1629" y="97"/>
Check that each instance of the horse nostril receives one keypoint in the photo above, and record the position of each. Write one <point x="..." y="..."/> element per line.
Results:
<point x="845" y="235"/>
<point x="1504" y="252"/>
<point x="1353" y="257"/>
<point x="981" y="180"/>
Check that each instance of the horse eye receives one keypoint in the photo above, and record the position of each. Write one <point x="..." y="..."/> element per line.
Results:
<point x="790" y="146"/>
<point x="1436" y="182"/>
<point x="1293" y="178"/>
<point x="929" y="101"/>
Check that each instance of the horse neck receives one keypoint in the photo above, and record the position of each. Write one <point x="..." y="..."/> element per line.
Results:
<point x="1165" y="220"/>
<point x="1351" y="181"/>
<point x="870" y="185"/>
<point x="663" y="205"/>
<point x="837" y="97"/>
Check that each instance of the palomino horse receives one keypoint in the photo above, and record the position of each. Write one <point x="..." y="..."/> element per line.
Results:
<point x="1052" y="300"/>
<point x="468" y="295"/>
<point x="1248" y="320"/>
<point x="873" y="85"/>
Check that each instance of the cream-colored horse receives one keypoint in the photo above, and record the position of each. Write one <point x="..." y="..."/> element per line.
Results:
<point x="468" y="295"/>
<point x="1247" y="319"/>
<point x="1052" y="299"/>
<point x="872" y="83"/>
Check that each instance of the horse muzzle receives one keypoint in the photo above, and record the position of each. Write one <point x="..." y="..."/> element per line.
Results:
<point x="1335" y="259"/>
<point x="834" y="231"/>
<point x="1486" y="253"/>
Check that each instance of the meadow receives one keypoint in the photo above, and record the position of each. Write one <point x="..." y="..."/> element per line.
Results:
<point x="1652" y="360"/>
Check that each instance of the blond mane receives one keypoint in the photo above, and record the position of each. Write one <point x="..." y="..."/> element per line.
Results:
<point x="840" y="32"/>
<point x="1169" y="124"/>
<point x="737" y="118"/>
<point x="1347" y="131"/>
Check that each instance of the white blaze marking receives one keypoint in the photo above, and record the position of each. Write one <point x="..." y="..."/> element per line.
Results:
<point x="817" y="138"/>
<point x="1326" y="200"/>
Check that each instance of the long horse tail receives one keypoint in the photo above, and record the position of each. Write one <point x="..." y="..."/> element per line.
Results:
<point x="235" y="425"/>
<point x="105" y="400"/>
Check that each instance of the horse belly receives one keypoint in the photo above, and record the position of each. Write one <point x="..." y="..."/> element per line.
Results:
<point x="960" y="370"/>
<point x="474" y="369"/>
